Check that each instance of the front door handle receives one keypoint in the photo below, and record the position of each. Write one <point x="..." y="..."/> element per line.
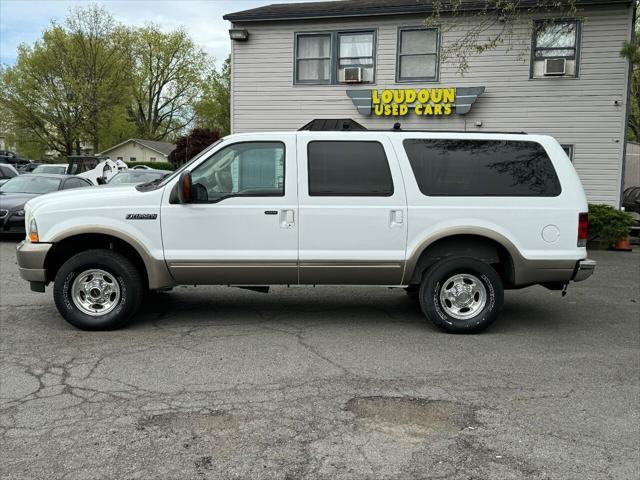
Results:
<point x="287" y="218"/>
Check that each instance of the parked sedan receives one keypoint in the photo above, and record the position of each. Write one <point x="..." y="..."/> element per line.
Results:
<point x="135" y="177"/>
<point x="19" y="190"/>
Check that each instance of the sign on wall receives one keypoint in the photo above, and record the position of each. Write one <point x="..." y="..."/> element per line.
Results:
<point x="429" y="102"/>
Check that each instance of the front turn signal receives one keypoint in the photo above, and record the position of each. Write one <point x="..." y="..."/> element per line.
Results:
<point x="32" y="231"/>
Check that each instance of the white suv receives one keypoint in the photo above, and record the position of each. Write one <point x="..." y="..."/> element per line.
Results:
<point x="454" y="218"/>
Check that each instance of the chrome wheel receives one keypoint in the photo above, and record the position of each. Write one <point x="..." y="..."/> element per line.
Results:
<point x="463" y="296"/>
<point x="95" y="292"/>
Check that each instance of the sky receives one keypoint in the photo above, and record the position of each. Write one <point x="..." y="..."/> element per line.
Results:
<point x="22" y="21"/>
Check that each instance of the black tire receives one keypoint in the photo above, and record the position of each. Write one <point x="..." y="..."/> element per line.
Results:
<point x="445" y="269"/>
<point x="126" y="275"/>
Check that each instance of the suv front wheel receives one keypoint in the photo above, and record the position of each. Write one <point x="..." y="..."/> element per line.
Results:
<point x="98" y="290"/>
<point x="461" y="295"/>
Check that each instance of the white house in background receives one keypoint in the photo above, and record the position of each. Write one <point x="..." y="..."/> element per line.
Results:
<point x="138" y="150"/>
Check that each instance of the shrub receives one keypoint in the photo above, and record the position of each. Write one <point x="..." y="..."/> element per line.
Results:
<point x="156" y="165"/>
<point x="188" y="146"/>
<point x="607" y="224"/>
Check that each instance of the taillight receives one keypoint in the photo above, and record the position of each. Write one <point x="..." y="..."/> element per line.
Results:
<point x="583" y="229"/>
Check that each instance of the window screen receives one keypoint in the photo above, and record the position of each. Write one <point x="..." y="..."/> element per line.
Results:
<point x="556" y="39"/>
<point x="313" y="58"/>
<point x="482" y="168"/>
<point x="417" y="54"/>
<point x="356" y="50"/>
<point x="348" y="169"/>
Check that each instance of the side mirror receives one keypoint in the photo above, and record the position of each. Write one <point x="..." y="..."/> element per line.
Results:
<point x="185" y="187"/>
<point x="101" y="180"/>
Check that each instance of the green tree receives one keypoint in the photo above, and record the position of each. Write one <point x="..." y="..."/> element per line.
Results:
<point x="168" y="69"/>
<point x="99" y="47"/>
<point x="494" y="23"/>
<point x="39" y="93"/>
<point x="27" y="145"/>
<point x="64" y="87"/>
<point x="213" y="109"/>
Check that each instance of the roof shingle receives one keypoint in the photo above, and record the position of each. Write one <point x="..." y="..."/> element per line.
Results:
<point x="356" y="8"/>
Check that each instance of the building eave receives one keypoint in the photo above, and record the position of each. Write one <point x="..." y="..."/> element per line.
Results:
<point x="262" y="14"/>
<point x="135" y="141"/>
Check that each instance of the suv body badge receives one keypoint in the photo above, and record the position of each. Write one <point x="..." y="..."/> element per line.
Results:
<point x="142" y="216"/>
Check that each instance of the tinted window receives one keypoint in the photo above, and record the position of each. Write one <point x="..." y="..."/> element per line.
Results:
<point x="348" y="169"/>
<point x="75" y="183"/>
<point x="482" y="168"/>
<point x="81" y="165"/>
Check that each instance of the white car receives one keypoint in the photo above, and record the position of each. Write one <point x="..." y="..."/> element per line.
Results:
<point x="454" y="218"/>
<point x="98" y="170"/>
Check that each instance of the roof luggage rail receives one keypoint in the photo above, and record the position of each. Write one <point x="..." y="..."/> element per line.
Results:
<point x="397" y="127"/>
<point x="349" y="125"/>
<point x="333" y="125"/>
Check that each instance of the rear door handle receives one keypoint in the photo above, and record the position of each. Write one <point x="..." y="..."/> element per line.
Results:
<point x="287" y="218"/>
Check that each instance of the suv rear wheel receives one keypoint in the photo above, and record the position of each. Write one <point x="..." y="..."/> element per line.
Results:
<point x="461" y="295"/>
<point x="98" y="290"/>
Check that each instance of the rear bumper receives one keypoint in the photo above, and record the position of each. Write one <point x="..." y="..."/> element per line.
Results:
<point x="584" y="269"/>
<point x="31" y="258"/>
<point x="550" y="272"/>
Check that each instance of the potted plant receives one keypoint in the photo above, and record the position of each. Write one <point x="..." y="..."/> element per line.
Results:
<point x="609" y="227"/>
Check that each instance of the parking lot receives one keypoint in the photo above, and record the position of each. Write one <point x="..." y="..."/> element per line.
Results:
<point x="335" y="383"/>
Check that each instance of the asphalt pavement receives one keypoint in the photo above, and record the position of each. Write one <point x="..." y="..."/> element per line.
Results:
<point x="324" y="383"/>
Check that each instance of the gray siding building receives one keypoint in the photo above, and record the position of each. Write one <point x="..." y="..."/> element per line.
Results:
<point x="378" y="63"/>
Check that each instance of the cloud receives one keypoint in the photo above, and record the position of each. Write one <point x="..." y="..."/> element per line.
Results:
<point x="22" y="21"/>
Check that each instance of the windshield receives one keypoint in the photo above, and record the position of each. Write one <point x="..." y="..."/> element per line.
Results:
<point x="138" y="177"/>
<point x="59" y="169"/>
<point x="197" y="157"/>
<point x="29" y="184"/>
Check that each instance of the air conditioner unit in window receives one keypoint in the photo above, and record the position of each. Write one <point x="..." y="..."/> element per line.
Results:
<point x="555" y="66"/>
<point x="352" y="75"/>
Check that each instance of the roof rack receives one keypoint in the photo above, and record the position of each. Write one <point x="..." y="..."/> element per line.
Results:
<point x="347" y="124"/>
<point x="398" y="128"/>
<point x="333" y="125"/>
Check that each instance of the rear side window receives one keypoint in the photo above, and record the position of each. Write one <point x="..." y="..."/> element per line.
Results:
<point x="482" y="168"/>
<point x="75" y="183"/>
<point x="348" y="169"/>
